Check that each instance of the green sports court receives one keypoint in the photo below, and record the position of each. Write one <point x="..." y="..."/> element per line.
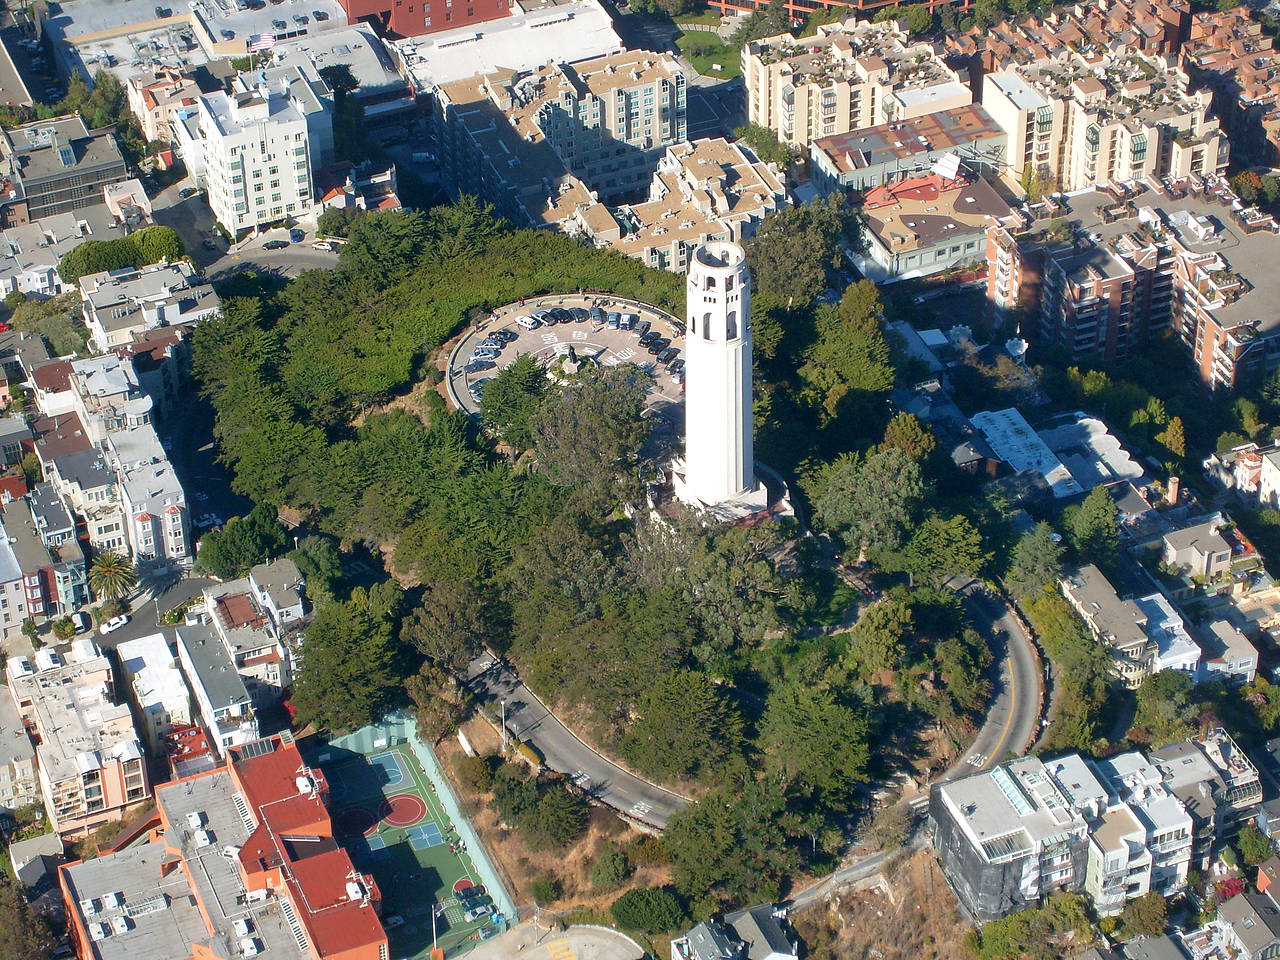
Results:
<point x="388" y="815"/>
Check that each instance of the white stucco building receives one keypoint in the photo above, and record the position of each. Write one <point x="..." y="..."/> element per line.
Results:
<point x="156" y="688"/>
<point x="255" y="149"/>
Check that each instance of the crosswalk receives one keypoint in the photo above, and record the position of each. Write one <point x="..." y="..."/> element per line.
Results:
<point x="560" y="950"/>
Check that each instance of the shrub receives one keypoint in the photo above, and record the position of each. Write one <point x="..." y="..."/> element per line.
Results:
<point x="612" y="869"/>
<point x="647" y="909"/>
<point x="546" y="890"/>
<point x="647" y="851"/>
<point x="64" y="629"/>
<point x="476" y="773"/>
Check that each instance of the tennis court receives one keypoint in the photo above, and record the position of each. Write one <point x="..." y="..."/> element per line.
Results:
<point x="396" y="829"/>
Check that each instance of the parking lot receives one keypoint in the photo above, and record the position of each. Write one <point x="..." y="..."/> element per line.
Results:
<point x="593" y="341"/>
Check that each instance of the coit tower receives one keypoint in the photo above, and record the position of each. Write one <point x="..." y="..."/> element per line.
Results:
<point x="717" y="406"/>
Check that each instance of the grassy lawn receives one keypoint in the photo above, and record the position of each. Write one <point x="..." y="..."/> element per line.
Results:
<point x="702" y="49"/>
<point x="708" y="18"/>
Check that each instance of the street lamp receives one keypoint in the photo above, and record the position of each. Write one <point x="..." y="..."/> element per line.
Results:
<point x="504" y="726"/>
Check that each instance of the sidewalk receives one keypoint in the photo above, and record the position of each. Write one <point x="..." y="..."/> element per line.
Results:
<point x="585" y="943"/>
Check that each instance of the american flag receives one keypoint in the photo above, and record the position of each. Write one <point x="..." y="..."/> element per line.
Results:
<point x="261" y="41"/>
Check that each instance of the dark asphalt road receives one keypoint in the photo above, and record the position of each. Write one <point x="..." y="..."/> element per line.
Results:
<point x="563" y="752"/>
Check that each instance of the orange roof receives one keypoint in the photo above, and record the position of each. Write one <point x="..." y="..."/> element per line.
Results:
<point x="145" y="518"/>
<point x="173" y="509"/>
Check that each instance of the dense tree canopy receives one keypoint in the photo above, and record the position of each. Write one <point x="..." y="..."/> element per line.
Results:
<point x="243" y="542"/>
<point x="138" y="249"/>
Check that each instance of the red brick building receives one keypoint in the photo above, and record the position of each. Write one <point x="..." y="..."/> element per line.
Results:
<point x="413" y="18"/>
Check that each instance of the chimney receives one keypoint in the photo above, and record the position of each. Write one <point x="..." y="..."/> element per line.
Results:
<point x="1172" y="493"/>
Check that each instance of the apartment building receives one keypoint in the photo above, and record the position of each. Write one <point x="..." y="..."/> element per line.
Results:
<point x="871" y="156"/>
<point x="155" y="689"/>
<point x="221" y="698"/>
<point x="1118" y="623"/>
<point x="1199" y="550"/>
<point x="90" y="763"/>
<point x="1230" y="53"/>
<point x="521" y="139"/>
<point x="55" y="166"/>
<point x="1081" y="120"/>
<point x="120" y="305"/>
<point x="257" y="618"/>
<point x="1102" y="272"/>
<point x="849" y="76"/>
<point x="155" y="99"/>
<point x="1229" y="655"/>
<point x="30" y="251"/>
<point x="757" y="933"/>
<point x="1112" y="829"/>
<point x="1007" y="838"/>
<point x="117" y="416"/>
<point x="54" y="570"/>
<point x="702" y="191"/>
<point x="920" y="226"/>
<point x="86" y="479"/>
<point x="242" y="862"/>
<point x="19" y="783"/>
<point x="255" y="148"/>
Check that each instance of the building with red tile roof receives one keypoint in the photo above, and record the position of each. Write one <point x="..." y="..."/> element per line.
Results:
<point x="242" y="861"/>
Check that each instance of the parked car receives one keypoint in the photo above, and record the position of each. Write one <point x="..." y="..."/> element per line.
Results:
<point x="482" y="353"/>
<point x="506" y="336"/>
<point x="320" y="16"/>
<point x="324" y="245"/>
<point x="296" y="235"/>
<point x="657" y="346"/>
<point x="628" y="320"/>
<point x="188" y="192"/>
<point x="82" y="622"/>
<point x="596" y="315"/>
<point x="648" y="338"/>
<point x="580" y="314"/>
<point x="162" y="12"/>
<point x="478" y="912"/>
<point x="208" y="244"/>
<point x="491" y="343"/>
<point x="279" y="24"/>
<point x="560" y="315"/>
<point x="643" y="327"/>
<point x="528" y="323"/>
<point x="275" y="244"/>
<point x="613" y="320"/>
<point x="479" y="366"/>
<point x="300" y="19"/>
<point x="676" y="365"/>
<point x="393" y="921"/>
<point x="114" y="624"/>
<point x="667" y="355"/>
<point x="542" y="316"/>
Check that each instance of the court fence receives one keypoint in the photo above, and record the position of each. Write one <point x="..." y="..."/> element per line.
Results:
<point x="399" y="727"/>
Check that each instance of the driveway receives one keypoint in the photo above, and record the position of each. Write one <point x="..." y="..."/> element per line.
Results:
<point x="528" y="719"/>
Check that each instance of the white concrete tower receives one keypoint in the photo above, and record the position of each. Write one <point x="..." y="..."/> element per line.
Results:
<point x="718" y="455"/>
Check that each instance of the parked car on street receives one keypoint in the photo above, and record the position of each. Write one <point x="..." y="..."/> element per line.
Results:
<point x="275" y="244"/>
<point x="114" y="624"/>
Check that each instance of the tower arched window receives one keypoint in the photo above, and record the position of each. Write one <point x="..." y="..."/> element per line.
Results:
<point x="693" y="324"/>
<point x="728" y="283"/>
<point x="731" y="328"/>
<point x="706" y="326"/>
<point x="711" y="283"/>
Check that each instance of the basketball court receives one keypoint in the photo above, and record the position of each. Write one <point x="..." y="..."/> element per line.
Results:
<point x="388" y="817"/>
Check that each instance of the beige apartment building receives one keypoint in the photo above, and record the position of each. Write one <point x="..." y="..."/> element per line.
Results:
<point x="90" y="763"/>
<point x="514" y="137"/>
<point x="154" y="100"/>
<point x="1082" y="121"/>
<point x="849" y="76"/>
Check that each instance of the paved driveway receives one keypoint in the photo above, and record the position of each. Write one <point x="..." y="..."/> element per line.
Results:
<point x="528" y="719"/>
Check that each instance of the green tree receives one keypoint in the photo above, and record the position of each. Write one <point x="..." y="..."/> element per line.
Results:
<point x="908" y="434"/>
<point x="245" y="541"/>
<point x="766" y="145"/>
<point x="58" y="321"/>
<point x="1254" y="845"/>
<point x="1094" y="530"/>
<point x="686" y="728"/>
<point x="111" y="576"/>
<point x="1165" y="712"/>
<point x="876" y="640"/>
<point x="146" y="246"/>
<point x="871" y="502"/>
<point x="24" y="935"/>
<point x="1174" y="438"/>
<point x="545" y="890"/>
<point x="1036" y="562"/>
<point x="943" y="547"/>
<point x="352" y="670"/>
<point x="1144" y="917"/>
<point x="918" y="19"/>
<point x="589" y="432"/>
<point x="795" y="247"/>
<point x="612" y="868"/>
<point x="337" y="221"/>
<point x="650" y="910"/>
<point x="557" y="820"/>
<point x="452" y="625"/>
<point x="850" y="356"/>
<point x="511" y="400"/>
<point x="814" y="744"/>
<point x="319" y="560"/>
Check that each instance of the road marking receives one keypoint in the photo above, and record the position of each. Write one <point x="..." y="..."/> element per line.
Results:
<point x="580" y="334"/>
<point x="1013" y="710"/>
<point x="560" y="950"/>
<point x="640" y="808"/>
<point x="977" y="760"/>
<point x="550" y="338"/>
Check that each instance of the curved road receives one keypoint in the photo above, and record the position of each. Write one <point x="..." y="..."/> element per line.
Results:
<point x="528" y="719"/>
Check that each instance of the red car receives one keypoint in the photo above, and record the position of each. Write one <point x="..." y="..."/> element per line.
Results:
<point x="4" y="327"/>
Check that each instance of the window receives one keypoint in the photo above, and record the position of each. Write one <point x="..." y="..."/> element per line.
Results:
<point x="706" y="326"/>
<point x="731" y="328"/>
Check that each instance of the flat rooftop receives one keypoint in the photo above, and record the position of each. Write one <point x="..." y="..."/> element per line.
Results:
<point x="546" y="33"/>
<point x="887" y="142"/>
<point x="1122" y="622"/>
<point x="357" y="47"/>
<point x="918" y="212"/>
<point x="1014" y="442"/>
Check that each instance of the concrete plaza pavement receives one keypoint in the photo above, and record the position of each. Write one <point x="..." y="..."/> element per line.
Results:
<point x="529" y="941"/>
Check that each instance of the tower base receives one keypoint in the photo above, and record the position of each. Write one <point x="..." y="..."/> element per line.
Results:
<point x="769" y="496"/>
